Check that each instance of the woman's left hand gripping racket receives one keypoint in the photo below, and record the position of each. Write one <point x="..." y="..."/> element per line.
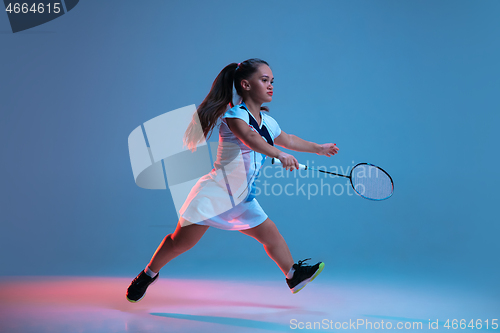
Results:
<point x="367" y="180"/>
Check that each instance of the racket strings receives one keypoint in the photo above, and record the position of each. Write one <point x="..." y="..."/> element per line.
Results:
<point x="371" y="182"/>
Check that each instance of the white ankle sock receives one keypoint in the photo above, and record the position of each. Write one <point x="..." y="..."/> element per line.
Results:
<point x="290" y="273"/>
<point x="149" y="272"/>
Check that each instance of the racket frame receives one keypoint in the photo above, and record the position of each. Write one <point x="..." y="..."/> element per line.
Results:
<point x="373" y="165"/>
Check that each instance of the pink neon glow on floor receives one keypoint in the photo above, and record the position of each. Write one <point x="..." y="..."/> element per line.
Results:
<point x="85" y="304"/>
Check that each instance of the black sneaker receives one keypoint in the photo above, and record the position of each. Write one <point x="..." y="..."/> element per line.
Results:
<point x="303" y="275"/>
<point x="137" y="288"/>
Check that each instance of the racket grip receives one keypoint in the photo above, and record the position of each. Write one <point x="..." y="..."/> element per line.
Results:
<point x="277" y="161"/>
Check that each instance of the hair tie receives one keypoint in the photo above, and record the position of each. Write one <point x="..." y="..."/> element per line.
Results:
<point x="238" y="66"/>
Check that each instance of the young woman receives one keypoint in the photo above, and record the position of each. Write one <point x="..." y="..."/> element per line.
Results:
<point x="247" y="132"/>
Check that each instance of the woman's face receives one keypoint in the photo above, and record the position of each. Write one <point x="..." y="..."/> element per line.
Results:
<point x="260" y="85"/>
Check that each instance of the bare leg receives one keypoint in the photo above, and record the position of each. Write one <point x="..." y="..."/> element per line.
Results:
<point x="181" y="240"/>
<point x="268" y="235"/>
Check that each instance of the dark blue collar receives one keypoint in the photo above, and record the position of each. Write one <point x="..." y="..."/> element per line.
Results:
<point x="263" y="129"/>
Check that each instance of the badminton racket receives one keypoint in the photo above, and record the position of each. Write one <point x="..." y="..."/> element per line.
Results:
<point x="368" y="181"/>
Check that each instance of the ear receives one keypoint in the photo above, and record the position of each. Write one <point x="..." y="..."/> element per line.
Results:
<point x="245" y="84"/>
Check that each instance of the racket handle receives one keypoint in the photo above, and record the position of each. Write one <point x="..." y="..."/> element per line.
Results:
<point x="277" y="161"/>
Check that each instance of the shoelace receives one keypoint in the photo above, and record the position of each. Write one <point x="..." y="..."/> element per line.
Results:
<point x="302" y="261"/>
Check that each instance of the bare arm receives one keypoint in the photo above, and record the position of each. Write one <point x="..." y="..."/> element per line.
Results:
<point x="293" y="142"/>
<point x="255" y="142"/>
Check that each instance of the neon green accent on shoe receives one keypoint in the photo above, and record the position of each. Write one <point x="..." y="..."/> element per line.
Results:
<point x="320" y="268"/>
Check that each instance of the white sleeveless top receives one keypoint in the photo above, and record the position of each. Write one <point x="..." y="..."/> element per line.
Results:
<point x="225" y="198"/>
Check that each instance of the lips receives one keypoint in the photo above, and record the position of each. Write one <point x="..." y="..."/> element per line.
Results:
<point x="270" y="93"/>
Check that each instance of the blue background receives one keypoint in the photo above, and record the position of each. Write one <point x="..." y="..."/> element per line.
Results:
<point x="411" y="86"/>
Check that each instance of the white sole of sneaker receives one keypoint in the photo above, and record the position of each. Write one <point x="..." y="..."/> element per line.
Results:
<point x="301" y="285"/>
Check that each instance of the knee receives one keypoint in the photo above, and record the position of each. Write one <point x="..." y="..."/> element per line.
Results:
<point x="267" y="234"/>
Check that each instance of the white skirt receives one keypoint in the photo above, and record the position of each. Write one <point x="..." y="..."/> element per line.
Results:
<point x="209" y="203"/>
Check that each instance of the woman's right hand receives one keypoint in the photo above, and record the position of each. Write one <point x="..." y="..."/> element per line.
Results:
<point x="288" y="161"/>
